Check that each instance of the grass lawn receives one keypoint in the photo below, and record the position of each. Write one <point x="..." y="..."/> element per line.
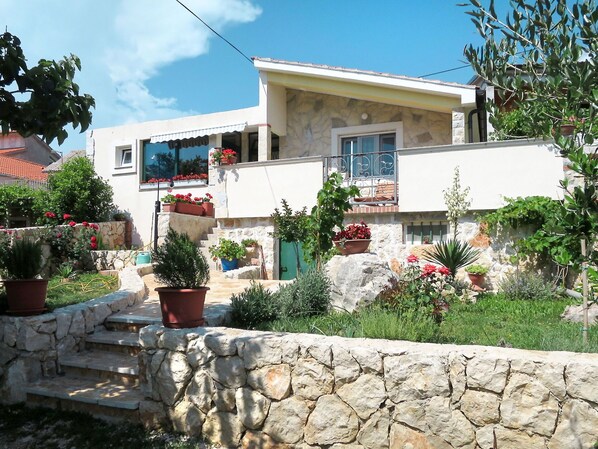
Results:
<point x="40" y="428"/>
<point x="64" y="292"/>
<point x="492" y="321"/>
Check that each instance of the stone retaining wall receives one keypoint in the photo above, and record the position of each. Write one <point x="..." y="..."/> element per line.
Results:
<point x="256" y="389"/>
<point x="195" y="227"/>
<point x="30" y="346"/>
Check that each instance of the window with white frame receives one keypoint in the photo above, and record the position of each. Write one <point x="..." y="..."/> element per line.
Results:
<point x="124" y="158"/>
<point x="419" y="233"/>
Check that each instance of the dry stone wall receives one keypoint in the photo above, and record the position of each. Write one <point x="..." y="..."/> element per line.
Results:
<point x="196" y="227"/>
<point x="256" y="389"/>
<point x="30" y="346"/>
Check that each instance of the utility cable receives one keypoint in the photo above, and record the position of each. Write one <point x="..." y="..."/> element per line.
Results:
<point x="215" y="32"/>
<point x="444" y="71"/>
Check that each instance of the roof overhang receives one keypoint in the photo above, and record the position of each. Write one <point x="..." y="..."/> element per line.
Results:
<point x="370" y="86"/>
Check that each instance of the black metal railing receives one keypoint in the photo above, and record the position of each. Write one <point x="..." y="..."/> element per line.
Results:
<point x="374" y="174"/>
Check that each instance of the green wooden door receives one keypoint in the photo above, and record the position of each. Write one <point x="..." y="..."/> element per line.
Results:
<point x="288" y="260"/>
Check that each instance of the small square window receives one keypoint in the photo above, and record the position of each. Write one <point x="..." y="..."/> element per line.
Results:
<point x="422" y="233"/>
<point x="126" y="157"/>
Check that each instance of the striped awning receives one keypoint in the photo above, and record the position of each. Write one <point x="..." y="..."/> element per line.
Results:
<point x="195" y="136"/>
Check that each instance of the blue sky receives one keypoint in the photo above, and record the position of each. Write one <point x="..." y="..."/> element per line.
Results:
<point x="149" y="59"/>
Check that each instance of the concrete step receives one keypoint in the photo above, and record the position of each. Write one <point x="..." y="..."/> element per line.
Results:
<point x="104" y="399"/>
<point x="114" y="341"/>
<point x="129" y="323"/>
<point x="102" y="365"/>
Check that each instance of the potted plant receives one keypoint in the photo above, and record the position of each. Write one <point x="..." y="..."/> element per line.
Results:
<point x="182" y="267"/>
<point x="229" y="253"/>
<point x="354" y="239"/>
<point x="476" y="273"/>
<point x="223" y="156"/>
<point x="21" y="263"/>
<point x="207" y="205"/>
<point x="183" y="204"/>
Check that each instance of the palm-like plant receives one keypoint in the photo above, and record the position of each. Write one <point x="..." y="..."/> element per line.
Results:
<point x="452" y="254"/>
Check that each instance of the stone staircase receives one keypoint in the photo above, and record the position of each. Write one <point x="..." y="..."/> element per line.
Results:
<point x="102" y="380"/>
<point x="204" y="246"/>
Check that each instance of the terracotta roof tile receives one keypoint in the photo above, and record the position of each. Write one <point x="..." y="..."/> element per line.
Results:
<point x="17" y="168"/>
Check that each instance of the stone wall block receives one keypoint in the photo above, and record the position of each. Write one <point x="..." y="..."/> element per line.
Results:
<point x="374" y="432"/>
<point x="201" y="390"/>
<point x="228" y="371"/>
<point x="286" y="420"/>
<point x="577" y="426"/>
<point x="412" y="414"/>
<point x="346" y="368"/>
<point x="488" y="374"/>
<point x="402" y="437"/>
<point x="63" y="323"/>
<point x="100" y="313"/>
<point x="89" y="319"/>
<point x="198" y="353"/>
<point x="175" y="340"/>
<point x="186" y="418"/>
<point x="321" y="353"/>
<point x="77" y="328"/>
<point x="582" y="381"/>
<point x="223" y="428"/>
<point x="450" y="425"/>
<point x="152" y="414"/>
<point x="509" y="438"/>
<point x="480" y="407"/>
<point x="272" y="381"/>
<point x="66" y="345"/>
<point x="258" y="351"/>
<point x="415" y="376"/>
<point x="10" y="334"/>
<point x="528" y="405"/>
<point x="221" y="344"/>
<point x="364" y="395"/>
<point x="252" y="407"/>
<point x="311" y="379"/>
<point x="224" y="399"/>
<point x="149" y="336"/>
<point x="30" y="340"/>
<point x="172" y="377"/>
<point x="260" y="440"/>
<point x="332" y="421"/>
<point x="457" y="376"/>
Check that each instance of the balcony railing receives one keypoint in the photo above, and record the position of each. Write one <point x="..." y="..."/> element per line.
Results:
<point x="374" y="174"/>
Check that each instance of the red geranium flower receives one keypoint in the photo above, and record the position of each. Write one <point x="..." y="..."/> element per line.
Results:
<point x="428" y="269"/>
<point x="94" y="246"/>
<point x="412" y="258"/>
<point x="444" y="271"/>
<point x="84" y="223"/>
<point x="66" y="216"/>
<point x="94" y="226"/>
<point x="94" y="239"/>
<point x="72" y="224"/>
<point x="50" y="215"/>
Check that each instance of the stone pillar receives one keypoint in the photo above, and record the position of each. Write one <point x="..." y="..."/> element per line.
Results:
<point x="264" y="143"/>
<point x="458" y="126"/>
<point x="244" y="147"/>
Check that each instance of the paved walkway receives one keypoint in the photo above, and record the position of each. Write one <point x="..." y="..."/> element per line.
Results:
<point x="217" y="304"/>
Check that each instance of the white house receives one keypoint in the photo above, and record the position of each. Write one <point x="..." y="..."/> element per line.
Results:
<point x="397" y="138"/>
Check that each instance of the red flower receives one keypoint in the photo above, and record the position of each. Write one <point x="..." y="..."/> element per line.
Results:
<point x="85" y="224"/>
<point x="444" y="270"/>
<point x="72" y="224"/>
<point x="93" y="239"/>
<point x="66" y="216"/>
<point x="94" y="226"/>
<point x="412" y="258"/>
<point x="50" y="215"/>
<point x="59" y="235"/>
<point x="428" y="269"/>
<point x="94" y="245"/>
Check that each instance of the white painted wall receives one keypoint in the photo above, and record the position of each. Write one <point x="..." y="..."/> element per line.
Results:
<point x="492" y="170"/>
<point x="133" y="197"/>
<point x="255" y="189"/>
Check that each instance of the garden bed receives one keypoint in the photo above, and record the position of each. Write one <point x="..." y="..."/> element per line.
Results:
<point x="491" y="321"/>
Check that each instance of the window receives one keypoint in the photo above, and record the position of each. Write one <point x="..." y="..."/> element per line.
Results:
<point x="421" y="233"/>
<point x="126" y="157"/>
<point x="160" y="161"/>
<point x="369" y="155"/>
<point x="232" y="141"/>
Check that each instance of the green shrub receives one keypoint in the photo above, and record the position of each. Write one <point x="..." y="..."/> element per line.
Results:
<point x="77" y="190"/>
<point x="308" y="295"/>
<point x="452" y="254"/>
<point x="477" y="269"/>
<point x="179" y="263"/>
<point x="22" y="259"/>
<point x="379" y="322"/>
<point x="253" y="306"/>
<point x="23" y="201"/>
<point x="526" y="286"/>
<point x="227" y="249"/>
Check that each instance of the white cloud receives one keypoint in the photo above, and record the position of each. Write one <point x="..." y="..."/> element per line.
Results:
<point x="122" y="44"/>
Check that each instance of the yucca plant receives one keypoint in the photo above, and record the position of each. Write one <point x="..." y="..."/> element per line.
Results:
<point x="452" y="254"/>
<point x="22" y="259"/>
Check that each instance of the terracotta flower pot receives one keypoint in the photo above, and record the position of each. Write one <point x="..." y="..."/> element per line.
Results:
<point x="348" y="247"/>
<point x="208" y="209"/>
<point x="229" y="161"/>
<point x="182" y="308"/>
<point x="567" y="130"/>
<point x="26" y="296"/>
<point x="189" y="209"/>
<point x="476" y="279"/>
<point x="169" y="207"/>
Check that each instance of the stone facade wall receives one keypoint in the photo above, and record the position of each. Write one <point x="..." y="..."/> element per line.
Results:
<point x="312" y="116"/>
<point x="259" y="229"/>
<point x="30" y="346"/>
<point x="113" y="260"/>
<point x="194" y="226"/>
<point x="255" y="389"/>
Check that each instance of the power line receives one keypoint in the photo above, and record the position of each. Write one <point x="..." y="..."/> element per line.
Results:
<point x="215" y="32"/>
<point x="444" y="71"/>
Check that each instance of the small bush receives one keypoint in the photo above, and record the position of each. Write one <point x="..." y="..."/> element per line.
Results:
<point x="526" y="286"/>
<point x="308" y="295"/>
<point x="379" y="322"/>
<point x="253" y="306"/>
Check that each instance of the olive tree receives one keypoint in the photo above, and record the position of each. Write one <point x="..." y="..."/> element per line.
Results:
<point x="41" y="99"/>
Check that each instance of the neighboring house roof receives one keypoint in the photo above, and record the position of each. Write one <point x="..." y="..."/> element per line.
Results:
<point x="17" y="168"/>
<point x="57" y="166"/>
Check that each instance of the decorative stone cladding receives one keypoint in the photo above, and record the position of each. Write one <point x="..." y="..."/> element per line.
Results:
<point x="194" y="226"/>
<point x="260" y="229"/>
<point x="312" y="116"/>
<point x="113" y="260"/>
<point x="30" y="346"/>
<point x="257" y="389"/>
